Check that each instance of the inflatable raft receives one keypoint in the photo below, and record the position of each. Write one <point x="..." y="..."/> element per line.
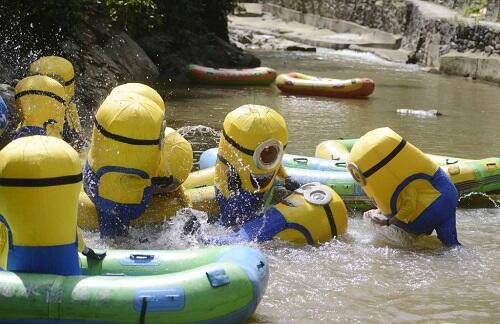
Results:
<point x="260" y="76"/>
<point x="211" y="285"/>
<point x="302" y="84"/>
<point x="469" y="176"/>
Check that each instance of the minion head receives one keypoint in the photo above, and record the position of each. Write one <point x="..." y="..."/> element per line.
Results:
<point x="40" y="180"/>
<point x="381" y="160"/>
<point x="252" y="141"/>
<point x="57" y="68"/>
<point x="176" y="160"/>
<point x="140" y="89"/>
<point x="127" y="133"/>
<point x="317" y="212"/>
<point x="40" y="102"/>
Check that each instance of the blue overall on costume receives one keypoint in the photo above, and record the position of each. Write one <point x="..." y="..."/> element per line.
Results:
<point x="262" y="228"/>
<point x="69" y="134"/>
<point x="58" y="259"/>
<point x="242" y="205"/>
<point x="114" y="217"/>
<point x="440" y="215"/>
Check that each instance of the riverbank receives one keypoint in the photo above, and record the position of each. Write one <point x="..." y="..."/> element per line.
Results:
<point x="425" y="32"/>
<point x="106" y="52"/>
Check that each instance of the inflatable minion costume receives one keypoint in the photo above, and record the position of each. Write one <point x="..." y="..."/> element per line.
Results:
<point x="40" y="179"/>
<point x="312" y="214"/>
<point x="41" y="106"/>
<point x="405" y="184"/>
<point x="248" y="160"/>
<point x="124" y="155"/>
<point x="61" y="70"/>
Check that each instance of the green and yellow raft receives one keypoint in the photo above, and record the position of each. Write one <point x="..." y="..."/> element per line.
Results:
<point x="330" y="168"/>
<point x="210" y="285"/>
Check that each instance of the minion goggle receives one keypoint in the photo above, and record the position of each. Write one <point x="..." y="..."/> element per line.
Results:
<point x="315" y="194"/>
<point x="360" y="176"/>
<point x="267" y="156"/>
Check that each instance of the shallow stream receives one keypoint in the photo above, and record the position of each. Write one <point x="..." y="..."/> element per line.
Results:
<point x="371" y="274"/>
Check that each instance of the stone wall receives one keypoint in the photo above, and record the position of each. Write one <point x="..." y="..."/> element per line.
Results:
<point x="387" y="15"/>
<point x="425" y="37"/>
<point x="489" y="9"/>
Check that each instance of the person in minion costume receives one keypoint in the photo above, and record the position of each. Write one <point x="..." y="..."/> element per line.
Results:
<point x="412" y="191"/>
<point x="40" y="101"/>
<point x="40" y="180"/>
<point x="312" y="214"/>
<point x="61" y="70"/>
<point x="248" y="160"/>
<point x="123" y="157"/>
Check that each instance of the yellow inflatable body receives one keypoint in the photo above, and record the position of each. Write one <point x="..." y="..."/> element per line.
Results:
<point x="159" y="209"/>
<point x="62" y="71"/>
<point x="41" y="237"/>
<point x="142" y="90"/>
<point x="405" y="184"/>
<point x="176" y="162"/>
<point x="312" y="214"/>
<point x="41" y="106"/>
<point x="322" y="221"/>
<point x="123" y="157"/>
<point x="339" y="150"/>
<point x="138" y="177"/>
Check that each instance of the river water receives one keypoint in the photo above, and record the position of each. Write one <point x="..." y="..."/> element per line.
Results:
<point x="371" y="274"/>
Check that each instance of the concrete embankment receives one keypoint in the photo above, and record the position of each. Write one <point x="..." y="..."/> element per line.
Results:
<point x="434" y="35"/>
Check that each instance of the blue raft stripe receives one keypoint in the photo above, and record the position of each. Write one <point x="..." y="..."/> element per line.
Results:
<point x="160" y="300"/>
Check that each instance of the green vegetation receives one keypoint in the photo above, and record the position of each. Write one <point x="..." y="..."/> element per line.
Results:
<point x="52" y="19"/>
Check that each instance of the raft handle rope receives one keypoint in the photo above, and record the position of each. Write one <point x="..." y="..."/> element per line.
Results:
<point x="144" y="307"/>
<point x="40" y="93"/>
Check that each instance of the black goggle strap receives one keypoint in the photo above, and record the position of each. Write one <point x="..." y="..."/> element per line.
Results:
<point x="123" y="139"/>
<point x="331" y="220"/>
<point x="238" y="146"/>
<point x="303" y="230"/>
<point x="385" y="160"/>
<point x="42" y="182"/>
<point x="40" y="93"/>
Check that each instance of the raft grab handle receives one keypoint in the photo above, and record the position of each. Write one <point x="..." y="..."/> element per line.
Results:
<point x="140" y="259"/>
